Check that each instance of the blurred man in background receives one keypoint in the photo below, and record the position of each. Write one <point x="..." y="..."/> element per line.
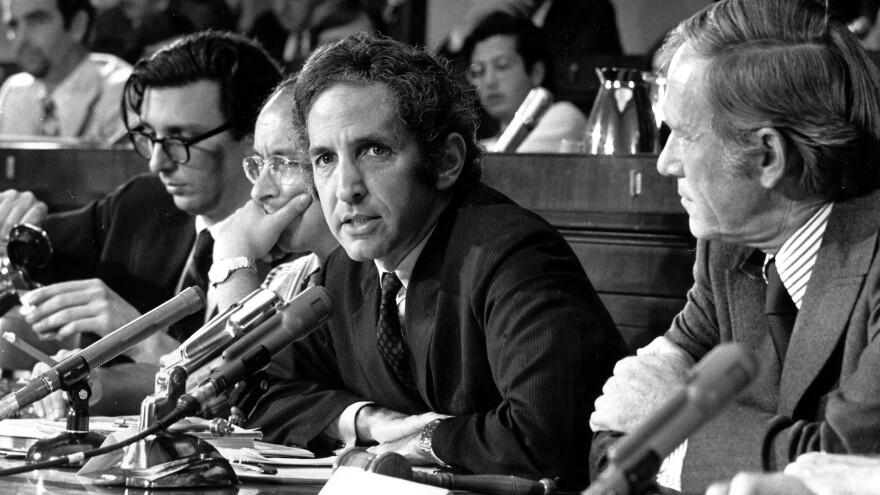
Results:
<point x="64" y="91"/>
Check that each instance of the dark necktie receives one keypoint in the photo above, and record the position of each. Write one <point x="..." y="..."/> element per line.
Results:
<point x="780" y="310"/>
<point x="196" y="273"/>
<point x="49" y="125"/>
<point x="389" y="338"/>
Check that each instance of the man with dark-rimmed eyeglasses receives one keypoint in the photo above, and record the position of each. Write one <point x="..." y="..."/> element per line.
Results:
<point x="190" y="110"/>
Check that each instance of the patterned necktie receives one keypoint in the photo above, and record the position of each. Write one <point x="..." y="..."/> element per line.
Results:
<point x="196" y="274"/>
<point x="389" y="338"/>
<point x="780" y="310"/>
<point x="49" y="125"/>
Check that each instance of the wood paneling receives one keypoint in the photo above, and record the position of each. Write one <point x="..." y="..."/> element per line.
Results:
<point x="622" y="219"/>
<point x="66" y="177"/>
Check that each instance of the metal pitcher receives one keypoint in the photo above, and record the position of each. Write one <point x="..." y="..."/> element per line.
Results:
<point x="622" y="121"/>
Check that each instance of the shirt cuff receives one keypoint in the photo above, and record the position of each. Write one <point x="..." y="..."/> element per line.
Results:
<point x="670" y="471"/>
<point x="345" y="424"/>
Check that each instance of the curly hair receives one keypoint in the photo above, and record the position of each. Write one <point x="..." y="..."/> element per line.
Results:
<point x="786" y="64"/>
<point x="244" y="71"/>
<point x="429" y="103"/>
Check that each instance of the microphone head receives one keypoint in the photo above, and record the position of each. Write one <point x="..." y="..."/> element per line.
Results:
<point x="709" y="386"/>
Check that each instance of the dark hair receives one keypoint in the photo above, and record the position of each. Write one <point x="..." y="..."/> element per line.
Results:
<point x="528" y="39"/>
<point x="69" y="8"/>
<point x="430" y="104"/>
<point x="347" y="12"/>
<point x="244" y="71"/>
<point x="785" y="64"/>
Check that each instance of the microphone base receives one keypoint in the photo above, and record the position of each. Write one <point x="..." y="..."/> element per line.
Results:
<point x="62" y="444"/>
<point x="176" y="460"/>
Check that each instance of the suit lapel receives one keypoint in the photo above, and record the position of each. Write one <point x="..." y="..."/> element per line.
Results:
<point x="363" y="316"/>
<point x="749" y="326"/>
<point x="848" y="247"/>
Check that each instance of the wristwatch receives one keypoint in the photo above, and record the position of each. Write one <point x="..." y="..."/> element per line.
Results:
<point x="425" y="440"/>
<point x="221" y="269"/>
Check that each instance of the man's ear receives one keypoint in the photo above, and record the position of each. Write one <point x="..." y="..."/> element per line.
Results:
<point x="539" y="71"/>
<point x="775" y="159"/>
<point x="452" y="163"/>
<point x="79" y="27"/>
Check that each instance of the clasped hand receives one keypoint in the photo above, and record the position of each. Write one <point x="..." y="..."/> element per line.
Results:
<point x="395" y="432"/>
<point x="640" y="385"/>
<point x="67" y="308"/>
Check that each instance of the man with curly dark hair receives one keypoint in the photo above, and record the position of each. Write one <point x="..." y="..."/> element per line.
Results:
<point x="465" y="332"/>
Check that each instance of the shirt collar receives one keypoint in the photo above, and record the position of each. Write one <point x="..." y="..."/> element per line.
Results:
<point x="405" y="268"/>
<point x="796" y="258"/>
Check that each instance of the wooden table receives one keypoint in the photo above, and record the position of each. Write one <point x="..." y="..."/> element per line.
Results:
<point x="64" y="481"/>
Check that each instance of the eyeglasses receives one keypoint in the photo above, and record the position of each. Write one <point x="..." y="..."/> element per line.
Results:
<point x="283" y="169"/>
<point x="176" y="148"/>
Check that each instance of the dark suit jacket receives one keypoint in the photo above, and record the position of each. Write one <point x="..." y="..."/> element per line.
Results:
<point x="506" y="334"/>
<point x="134" y="239"/>
<point x="826" y="396"/>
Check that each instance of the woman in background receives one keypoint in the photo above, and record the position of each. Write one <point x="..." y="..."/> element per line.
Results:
<point x="506" y="60"/>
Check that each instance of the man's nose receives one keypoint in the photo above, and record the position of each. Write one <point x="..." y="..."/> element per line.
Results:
<point x="160" y="161"/>
<point x="668" y="163"/>
<point x="350" y="187"/>
<point x="265" y="188"/>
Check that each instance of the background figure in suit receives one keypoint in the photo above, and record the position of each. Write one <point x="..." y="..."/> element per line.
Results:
<point x="64" y="91"/>
<point x="775" y="142"/>
<point x="193" y="108"/>
<point x="488" y="343"/>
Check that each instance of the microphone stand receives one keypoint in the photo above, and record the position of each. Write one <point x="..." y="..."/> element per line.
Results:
<point x="77" y="438"/>
<point x="167" y="460"/>
<point x="144" y="462"/>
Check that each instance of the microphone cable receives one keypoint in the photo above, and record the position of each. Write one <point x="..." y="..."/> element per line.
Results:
<point x="174" y="416"/>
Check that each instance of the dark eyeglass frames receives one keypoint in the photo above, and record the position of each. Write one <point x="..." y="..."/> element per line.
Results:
<point x="176" y="148"/>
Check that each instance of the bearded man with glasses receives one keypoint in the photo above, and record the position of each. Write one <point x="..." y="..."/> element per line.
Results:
<point x="190" y="109"/>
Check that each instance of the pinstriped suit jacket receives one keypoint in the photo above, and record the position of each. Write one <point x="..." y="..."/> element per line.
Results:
<point x="506" y="334"/>
<point x="826" y="396"/>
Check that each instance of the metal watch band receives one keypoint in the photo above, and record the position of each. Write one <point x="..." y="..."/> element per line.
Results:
<point x="426" y="437"/>
<point x="222" y="269"/>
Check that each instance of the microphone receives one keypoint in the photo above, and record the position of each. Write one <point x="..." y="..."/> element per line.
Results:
<point x="395" y="465"/>
<point x="292" y="322"/>
<point x="78" y="366"/>
<point x="524" y="121"/>
<point x="207" y="342"/>
<point x="633" y="461"/>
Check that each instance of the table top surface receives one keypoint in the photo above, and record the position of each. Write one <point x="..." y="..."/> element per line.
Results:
<point x="64" y="480"/>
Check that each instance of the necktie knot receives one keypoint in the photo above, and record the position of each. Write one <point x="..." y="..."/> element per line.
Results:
<point x="778" y="299"/>
<point x="49" y="125"/>
<point x="390" y="286"/>
<point x="780" y="310"/>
